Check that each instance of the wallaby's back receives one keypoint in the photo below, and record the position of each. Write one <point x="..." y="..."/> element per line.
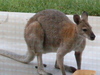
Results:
<point x="53" y="23"/>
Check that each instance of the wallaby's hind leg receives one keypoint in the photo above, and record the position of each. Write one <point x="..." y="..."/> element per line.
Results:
<point x="34" y="36"/>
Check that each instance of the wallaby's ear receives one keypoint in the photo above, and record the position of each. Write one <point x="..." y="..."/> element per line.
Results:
<point x="84" y="16"/>
<point x="76" y="19"/>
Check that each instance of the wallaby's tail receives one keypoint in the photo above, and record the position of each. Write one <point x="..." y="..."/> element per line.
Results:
<point x="21" y="58"/>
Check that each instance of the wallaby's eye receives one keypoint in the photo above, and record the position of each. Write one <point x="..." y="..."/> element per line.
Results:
<point x="84" y="30"/>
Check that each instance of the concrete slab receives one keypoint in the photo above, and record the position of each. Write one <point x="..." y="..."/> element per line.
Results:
<point x="11" y="39"/>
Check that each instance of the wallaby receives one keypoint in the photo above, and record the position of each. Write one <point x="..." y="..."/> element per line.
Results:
<point x="52" y="31"/>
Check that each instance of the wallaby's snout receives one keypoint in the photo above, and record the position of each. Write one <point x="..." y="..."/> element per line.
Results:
<point x="92" y="37"/>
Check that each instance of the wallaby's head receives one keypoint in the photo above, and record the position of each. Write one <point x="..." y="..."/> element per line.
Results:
<point x="84" y="29"/>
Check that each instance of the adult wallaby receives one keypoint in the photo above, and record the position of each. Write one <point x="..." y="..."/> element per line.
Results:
<point x="52" y="31"/>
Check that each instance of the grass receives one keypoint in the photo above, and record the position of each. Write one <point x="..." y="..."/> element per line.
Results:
<point x="66" y="6"/>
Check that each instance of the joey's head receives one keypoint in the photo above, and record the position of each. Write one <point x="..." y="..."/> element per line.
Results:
<point x="84" y="29"/>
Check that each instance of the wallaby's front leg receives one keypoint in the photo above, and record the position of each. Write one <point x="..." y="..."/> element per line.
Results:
<point x="40" y="65"/>
<point x="78" y="56"/>
<point x="60" y="57"/>
<point x="60" y="64"/>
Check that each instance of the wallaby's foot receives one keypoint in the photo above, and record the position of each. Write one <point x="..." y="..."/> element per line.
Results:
<point x="43" y="65"/>
<point x="67" y="68"/>
<point x="42" y="72"/>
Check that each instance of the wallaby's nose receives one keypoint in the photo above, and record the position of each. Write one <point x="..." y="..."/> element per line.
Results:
<point x="92" y="36"/>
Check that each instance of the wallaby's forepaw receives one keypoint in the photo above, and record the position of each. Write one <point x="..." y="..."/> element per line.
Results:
<point x="43" y="65"/>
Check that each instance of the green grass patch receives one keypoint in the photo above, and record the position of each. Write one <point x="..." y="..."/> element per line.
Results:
<point x="66" y="6"/>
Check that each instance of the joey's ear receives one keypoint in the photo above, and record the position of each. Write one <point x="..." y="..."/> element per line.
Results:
<point x="76" y="19"/>
<point x="84" y="16"/>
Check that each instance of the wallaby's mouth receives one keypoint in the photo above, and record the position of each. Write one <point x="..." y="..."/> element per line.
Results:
<point x="92" y="37"/>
